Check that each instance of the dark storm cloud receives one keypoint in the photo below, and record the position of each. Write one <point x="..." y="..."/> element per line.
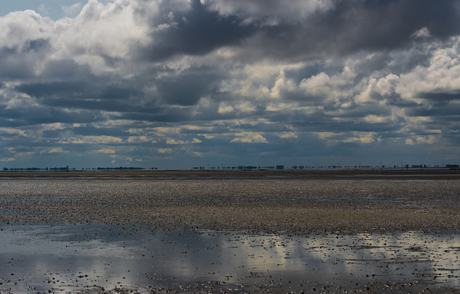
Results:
<point x="98" y="94"/>
<point x="438" y="97"/>
<point x="52" y="133"/>
<point x="395" y="62"/>
<point x="437" y="110"/>
<point x="162" y="114"/>
<point x="86" y="131"/>
<point x="29" y="46"/>
<point x="112" y="62"/>
<point x="75" y="89"/>
<point x="42" y="115"/>
<point x="188" y="87"/>
<point x="99" y="105"/>
<point x="208" y="130"/>
<point x="329" y="125"/>
<point x="68" y="85"/>
<point x="92" y="131"/>
<point x="305" y="72"/>
<point x="13" y="65"/>
<point x="196" y="31"/>
<point x="53" y="89"/>
<point x="438" y="106"/>
<point x="409" y="62"/>
<point x="390" y="24"/>
<point x="66" y="69"/>
<point x="266" y="128"/>
<point x="18" y="62"/>
<point x="352" y="26"/>
<point x="36" y="45"/>
<point x="377" y="62"/>
<point x="6" y="52"/>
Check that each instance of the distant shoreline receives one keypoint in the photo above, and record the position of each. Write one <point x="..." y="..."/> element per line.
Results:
<point x="286" y="174"/>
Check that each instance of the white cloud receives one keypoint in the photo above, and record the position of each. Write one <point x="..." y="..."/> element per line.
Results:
<point x="245" y="106"/>
<point x="426" y="139"/>
<point x="71" y="10"/>
<point x="409" y="141"/>
<point x="350" y="137"/>
<point x="165" y="150"/>
<point x="317" y="86"/>
<point x="249" y="137"/>
<point x="382" y="87"/>
<point x="11" y="159"/>
<point x="14" y="131"/>
<point x="98" y="30"/>
<point x="223" y="108"/>
<point x="43" y="10"/>
<point x="376" y="119"/>
<point x="441" y="75"/>
<point x="422" y="33"/>
<point x="138" y="139"/>
<point x="282" y="84"/>
<point x="174" y="142"/>
<point x="318" y="81"/>
<point x="106" y="151"/>
<point x="102" y="139"/>
<point x="21" y="26"/>
<point x="56" y="150"/>
<point x="288" y="135"/>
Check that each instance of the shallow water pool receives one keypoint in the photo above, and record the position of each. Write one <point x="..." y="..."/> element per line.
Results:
<point x="89" y="258"/>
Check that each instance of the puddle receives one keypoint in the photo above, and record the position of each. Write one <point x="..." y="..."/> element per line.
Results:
<point x="76" y="258"/>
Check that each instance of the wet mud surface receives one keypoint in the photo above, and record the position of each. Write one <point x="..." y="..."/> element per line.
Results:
<point x="271" y="206"/>
<point x="183" y="175"/>
<point x="121" y="233"/>
<point x="143" y="259"/>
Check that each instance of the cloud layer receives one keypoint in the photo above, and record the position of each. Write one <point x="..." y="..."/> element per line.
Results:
<point x="176" y="84"/>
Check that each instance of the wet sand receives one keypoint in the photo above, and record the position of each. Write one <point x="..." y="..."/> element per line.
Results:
<point x="357" y="229"/>
<point x="261" y="202"/>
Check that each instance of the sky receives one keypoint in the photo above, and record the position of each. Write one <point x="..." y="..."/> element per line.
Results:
<point x="178" y="84"/>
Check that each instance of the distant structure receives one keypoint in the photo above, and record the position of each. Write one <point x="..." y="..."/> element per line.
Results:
<point x="120" y="168"/>
<point x="452" y="166"/>
<point x="402" y="166"/>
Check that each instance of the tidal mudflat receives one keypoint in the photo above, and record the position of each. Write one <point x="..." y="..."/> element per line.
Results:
<point x="276" y="233"/>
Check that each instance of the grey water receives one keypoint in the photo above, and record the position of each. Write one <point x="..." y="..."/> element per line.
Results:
<point x="94" y="258"/>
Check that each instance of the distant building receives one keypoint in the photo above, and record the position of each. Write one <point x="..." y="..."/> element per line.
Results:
<point x="280" y="167"/>
<point x="250" y="167"/>
<point x="452" y="166"/>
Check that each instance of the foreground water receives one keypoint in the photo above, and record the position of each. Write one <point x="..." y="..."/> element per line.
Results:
<point x="143" y="259"/>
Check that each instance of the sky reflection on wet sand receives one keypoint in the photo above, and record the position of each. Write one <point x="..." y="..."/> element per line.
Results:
<point x="73" y="258"/>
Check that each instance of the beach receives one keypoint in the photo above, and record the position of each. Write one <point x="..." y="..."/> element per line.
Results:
<point x="335" y="206"/>
<point x="260" y="201"/>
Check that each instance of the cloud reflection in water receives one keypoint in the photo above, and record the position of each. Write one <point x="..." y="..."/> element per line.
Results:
<point x="71" y="258"/>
